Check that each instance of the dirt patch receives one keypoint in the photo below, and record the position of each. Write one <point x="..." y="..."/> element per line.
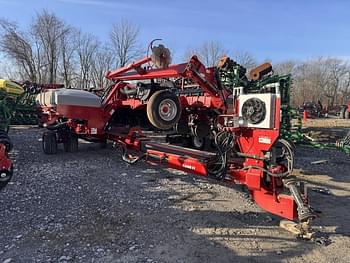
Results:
<point x="327" y="123"/>
<point x="326" y="130"/>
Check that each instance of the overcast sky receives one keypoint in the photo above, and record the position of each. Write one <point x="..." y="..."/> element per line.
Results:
<point x="275" y="30"/>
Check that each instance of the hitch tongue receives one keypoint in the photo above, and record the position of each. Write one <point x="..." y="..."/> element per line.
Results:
<point x="305" y="215"/>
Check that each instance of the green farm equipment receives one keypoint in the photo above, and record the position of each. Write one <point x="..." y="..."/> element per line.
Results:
<point x="10" y="95"/>
<point x="17" y="102"/>
<point x="26" y="111"/>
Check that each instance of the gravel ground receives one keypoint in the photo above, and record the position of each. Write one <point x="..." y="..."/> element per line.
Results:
<point x="92" y="207"/>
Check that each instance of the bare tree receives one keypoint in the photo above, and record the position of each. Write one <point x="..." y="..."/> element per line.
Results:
<point x="245" y="59"/>
<point x="51" y="51"/>
<point x="285" y="67"/>
<point x="209" y="53"/>
<point x="103" y="61"/>
<point x="310" y="81"/>
<point x="337" y="70"/>
<point x="49" y="30"/>
<point x="87" y="46"/>
<point x="345" y="88"/>
<point x="68" y="52"/>
<point x="17" y="46"/>
<point x="321" y="79"/>
<point x="124" y="41"/>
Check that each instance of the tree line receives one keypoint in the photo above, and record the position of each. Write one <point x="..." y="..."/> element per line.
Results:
<point x="52" y="51"/>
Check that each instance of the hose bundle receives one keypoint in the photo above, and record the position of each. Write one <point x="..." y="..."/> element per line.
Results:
<point x="217" y="167"/>
<point x="286" y="155"/>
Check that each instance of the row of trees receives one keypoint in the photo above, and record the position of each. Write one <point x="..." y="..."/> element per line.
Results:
<point x="210" y="52"/>
<point x="326" y="79"/>
<point x="51" y="51"/>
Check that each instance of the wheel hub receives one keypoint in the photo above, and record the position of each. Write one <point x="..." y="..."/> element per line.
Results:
<point x="167" y="110"/>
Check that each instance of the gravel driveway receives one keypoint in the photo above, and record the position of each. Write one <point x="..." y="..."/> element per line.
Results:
<point x="92" y="207"/>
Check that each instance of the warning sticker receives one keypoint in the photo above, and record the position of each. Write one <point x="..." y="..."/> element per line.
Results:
<point x="93" y="131"/>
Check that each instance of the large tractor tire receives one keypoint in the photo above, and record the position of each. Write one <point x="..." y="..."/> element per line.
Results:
<point x="71" y="143"/>
<point x="163" y="109"/>
<point x="49" y="142"/>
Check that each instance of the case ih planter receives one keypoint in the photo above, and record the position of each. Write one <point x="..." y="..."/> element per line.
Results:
<point x="241" y="117"/>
